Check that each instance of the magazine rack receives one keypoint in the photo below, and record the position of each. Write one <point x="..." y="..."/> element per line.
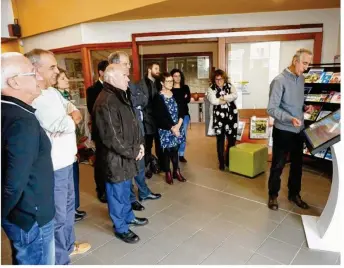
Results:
<point x="322" y="232"/>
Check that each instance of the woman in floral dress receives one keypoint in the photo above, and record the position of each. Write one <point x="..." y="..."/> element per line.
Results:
<point x="169" y="119"/>
<point x="221" y="96"/>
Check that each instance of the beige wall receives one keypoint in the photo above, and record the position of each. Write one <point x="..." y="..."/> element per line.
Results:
<point x="181" y="48"/>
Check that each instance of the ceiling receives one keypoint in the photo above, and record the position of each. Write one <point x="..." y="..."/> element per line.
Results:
<point x="184" y="8"/>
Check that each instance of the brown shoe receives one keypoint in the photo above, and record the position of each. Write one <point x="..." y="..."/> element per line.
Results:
<point x="80" y="248"/>
<point x="273" y="204"/>
<point x="298" y="201"/>
<point x="168" y="176"/>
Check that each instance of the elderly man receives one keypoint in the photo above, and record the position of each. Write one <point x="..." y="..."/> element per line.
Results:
<point x="286" y="106"/>
<point x="58" y="118"/>
<point x="122" y="142"/>
<point x="27" y="178"/>
<point x="139" y="101"/>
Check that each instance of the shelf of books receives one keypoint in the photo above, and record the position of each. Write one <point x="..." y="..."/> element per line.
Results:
<point x="322" y="90"/>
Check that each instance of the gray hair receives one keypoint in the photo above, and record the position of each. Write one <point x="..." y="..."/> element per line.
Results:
<point x="8" y="70"/>
<point x="35" y="55"/>
<point x="114" y="58"/>
<point x="301" y="51"/>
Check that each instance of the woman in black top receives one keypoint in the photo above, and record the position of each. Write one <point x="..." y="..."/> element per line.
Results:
<point x="169" y="119"/>
<point x="224" y="114"/>
<point x="182" y="95"/>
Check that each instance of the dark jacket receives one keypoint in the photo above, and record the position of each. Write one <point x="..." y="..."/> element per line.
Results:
<point x="118" y="132"/>
<point x="162" y="115"/>
<point x="27" y="176"/>
<point x="179" y="95"/>
<point x="146" y="86"/>
<point x="139" y="100"/>
<point x="92" y="93"/>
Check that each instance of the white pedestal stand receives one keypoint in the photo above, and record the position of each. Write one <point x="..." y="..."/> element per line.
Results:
<point x="322" y="232"/>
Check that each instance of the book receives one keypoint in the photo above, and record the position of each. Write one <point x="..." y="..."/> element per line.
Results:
<point x="329" y="96"/>
<point x="335" y="97"/>
<point x="326" y="77"/>
<point x="314" y="115"/>
<point x="328" y="155"/>
<point x="316" y="97"/>
<point x="313" y="76"/>
<point x="240" y="130"/>
<point x="321" y="154"/>
<point x="335" y="79"/>
<point x="259" y="128"/>
<point x="322" y="114"/>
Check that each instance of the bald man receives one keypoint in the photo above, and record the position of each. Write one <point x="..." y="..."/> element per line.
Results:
<point x="27" y="207"/>
<point x="119" y="134"/>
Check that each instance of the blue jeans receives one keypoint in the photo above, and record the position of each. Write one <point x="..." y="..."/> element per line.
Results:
<point x="118" y="200"/>
<point x="35" y="247"/>
<point x="182" y="146"/>
<point x="142" y="187"/>
<point x="76" y="184"/>
<point x="65" y="214"/>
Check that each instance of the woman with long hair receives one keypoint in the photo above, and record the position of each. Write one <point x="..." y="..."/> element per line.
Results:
<point x="182" y="95"/>
<point x="224" y="114"/>
<point x="62" y="85"/>
<point x="169" y="119"/>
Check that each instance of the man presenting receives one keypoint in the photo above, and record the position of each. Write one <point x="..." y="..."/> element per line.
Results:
<point x="286" y="106"/>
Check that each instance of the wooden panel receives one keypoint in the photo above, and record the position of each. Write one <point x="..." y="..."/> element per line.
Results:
<point x="103" y="46"/>
<point x="180" y="41"/>
<point x="86" y="67"/>
<point x="221" y="62"/>
<point x="136" y="60"/>
<point x="248" y="113"/>
<point x="269" y="38"/>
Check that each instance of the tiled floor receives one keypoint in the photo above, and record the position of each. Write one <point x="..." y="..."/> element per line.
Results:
<point x="214" y="218"/>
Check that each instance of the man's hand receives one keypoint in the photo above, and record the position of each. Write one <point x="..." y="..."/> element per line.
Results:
<point x="296" y="122"/>
<point x="309" y="109"/>
<point x="76" y="116"/>
<point x="141" y="153"/>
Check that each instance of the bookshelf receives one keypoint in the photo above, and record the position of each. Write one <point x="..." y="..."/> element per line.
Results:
<point x="322" y="90"/>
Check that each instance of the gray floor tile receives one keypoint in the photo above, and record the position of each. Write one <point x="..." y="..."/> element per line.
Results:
<point x="177" y="210"/>
<point x="259" y="225"/>
<point x="219" y="227"/>
<point x="247" y="239"/>
<point x="160" y="222"/>
<point x="199" y="219"/>
<point x="145" y="255"/>
<point x="90" y="259"/>
<point x="228" y="255"/>
<point x="279" y="251"/>
<point x="276" y="216"/>
<point x="289" y="234"/>
<point x="315" y="257"/>
<point x="246" y="205"/>
<point x="257" y="259"/>
<point x="294" y="220"/>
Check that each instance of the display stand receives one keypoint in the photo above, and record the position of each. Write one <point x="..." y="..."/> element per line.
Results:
<point x="322" y="232"/>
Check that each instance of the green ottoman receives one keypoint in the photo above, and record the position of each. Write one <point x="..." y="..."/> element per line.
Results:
<point x="248" y="159"/>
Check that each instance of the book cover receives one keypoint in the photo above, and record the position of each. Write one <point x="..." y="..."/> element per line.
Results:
<point x="329" y="96"/>
<point x="328" y="155"/>
<point x="316" y="97"/>
<point x="307" y="90"/>
<point x="326" y="77"/>
<point x="335" y="98"/>
<point x="321" y="154"/>
<point x="241" y="128"/>
<point x="335" y="79"/>
<point x="314" y="115"/>
<point x="313" y="75"/>
<point x="322" y="114"/>
<point x="259" y="128"/>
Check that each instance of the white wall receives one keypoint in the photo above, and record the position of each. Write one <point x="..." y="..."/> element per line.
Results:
<point x="102" y="32"/>
<point x="6" y="17"/>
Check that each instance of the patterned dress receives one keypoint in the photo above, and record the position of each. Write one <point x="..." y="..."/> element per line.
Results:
<point x="167" y="139"/>
<point x="225" y="117"/>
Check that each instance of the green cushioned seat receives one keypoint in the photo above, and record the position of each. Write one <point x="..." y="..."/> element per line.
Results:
<point x="248" y="159"/>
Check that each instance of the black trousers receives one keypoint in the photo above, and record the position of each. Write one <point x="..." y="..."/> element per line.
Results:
<point x="222" y="153"/>
<point x="284" y="143"/>
<point x="167" y="155"/>
<point x="149" y="145"/>
<point x="99" y="173"/>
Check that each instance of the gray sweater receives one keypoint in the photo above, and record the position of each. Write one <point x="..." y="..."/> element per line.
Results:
<point x="286" y="100"/>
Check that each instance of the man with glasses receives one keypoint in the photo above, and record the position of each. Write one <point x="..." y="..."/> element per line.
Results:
<point x="27" y="178"/>
<point x="139" y="101"/>
<point x="58" y="118"/>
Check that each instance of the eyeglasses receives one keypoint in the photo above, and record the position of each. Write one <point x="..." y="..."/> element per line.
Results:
<point x="25" y="74"/>
<point x="126" y="64"/>
<point x="219" y="79"/>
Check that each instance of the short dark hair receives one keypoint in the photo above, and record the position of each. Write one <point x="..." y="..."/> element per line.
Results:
<point x="182" y="77"/>
<point x="102" y="65"/>
<point x="164" y="75"/>
<point x="221" y="73"/>
<point x="150" y="65"/>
